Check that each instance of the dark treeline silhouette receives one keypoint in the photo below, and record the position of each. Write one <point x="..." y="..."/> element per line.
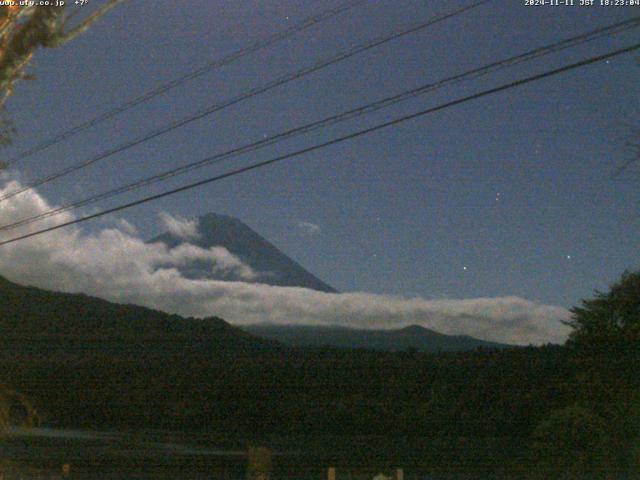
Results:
<point x="568" y="411"/>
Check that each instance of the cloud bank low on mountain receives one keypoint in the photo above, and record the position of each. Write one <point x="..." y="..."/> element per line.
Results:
<point x="115" y="264"/>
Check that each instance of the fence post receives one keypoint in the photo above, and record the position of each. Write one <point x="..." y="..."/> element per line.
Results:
<point x="331" y="473"/>
<point x="259" y="463"/>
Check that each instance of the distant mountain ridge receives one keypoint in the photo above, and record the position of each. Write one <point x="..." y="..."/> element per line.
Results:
<point x="413" y="337"/>
<point x="273" y="266"/>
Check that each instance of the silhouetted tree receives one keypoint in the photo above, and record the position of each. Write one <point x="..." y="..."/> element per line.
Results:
<point x="23" y="30"/>
<point x="610" y="321"/>
<point x="606" y="346"/>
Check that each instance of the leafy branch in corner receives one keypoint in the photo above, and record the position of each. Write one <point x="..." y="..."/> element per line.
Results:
<point x="25" y="29"/>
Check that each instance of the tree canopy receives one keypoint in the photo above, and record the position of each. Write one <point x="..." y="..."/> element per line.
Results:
<point x="611" y="319"/>
<point x="23" y="30"/>
<point x="572" y="442"/>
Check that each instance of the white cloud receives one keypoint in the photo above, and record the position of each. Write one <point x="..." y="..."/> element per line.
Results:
<point x="121" y="224"/>
<point x="117" y="265"/>
<point x="180" y="227"/>
<point x="222" y="259"/>
<point x="309" y="228"/>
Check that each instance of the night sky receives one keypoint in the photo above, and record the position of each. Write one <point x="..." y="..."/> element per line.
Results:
<point x="508" y="195"/>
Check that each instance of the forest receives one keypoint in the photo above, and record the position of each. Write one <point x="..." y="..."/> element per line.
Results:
<point x="566" y="411"/>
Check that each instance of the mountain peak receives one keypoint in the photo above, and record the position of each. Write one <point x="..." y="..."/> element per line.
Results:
<point x="415" y="329"/>
<point x="272" y="266"/>
<point x="413" y="337"/>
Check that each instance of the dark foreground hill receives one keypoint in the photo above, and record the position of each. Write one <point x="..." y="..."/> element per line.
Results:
<point x="272" y="266"/>
<point x="489" y="413"/>
<point x="44" y="323"/>
<point x="393" y="340"/>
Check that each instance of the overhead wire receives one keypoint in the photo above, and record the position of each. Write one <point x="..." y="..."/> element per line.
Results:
<point x="334" y="141"/>
<point x="244" y="96"/>
<point x="343" y="116"/>
<point x="166" y="87"/>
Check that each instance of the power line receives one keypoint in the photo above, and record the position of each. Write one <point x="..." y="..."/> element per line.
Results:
<point x="347" y="115"/>
<point x="164" y="88"/>
<point x="334" y="141"/>
<point x="244" y="96"/>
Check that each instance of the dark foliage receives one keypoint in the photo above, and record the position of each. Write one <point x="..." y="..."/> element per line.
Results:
<point x="610" y="321"/>
<point x="89" y="363"/>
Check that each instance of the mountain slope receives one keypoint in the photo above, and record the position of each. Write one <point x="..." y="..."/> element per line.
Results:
<point x="38" y="321"/>
<point x="273" y="266"/>
<point x="413" y="337"/>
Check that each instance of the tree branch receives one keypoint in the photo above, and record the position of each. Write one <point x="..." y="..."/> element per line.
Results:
<point x="63" y="37"/>
<point x="44" y="28"/>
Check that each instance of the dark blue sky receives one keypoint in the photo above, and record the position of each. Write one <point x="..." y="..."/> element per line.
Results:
<point x="515" y="187"/>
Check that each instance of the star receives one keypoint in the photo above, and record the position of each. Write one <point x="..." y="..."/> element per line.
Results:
<point x="568" y="257"/>
<point x="464" y="268"/>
